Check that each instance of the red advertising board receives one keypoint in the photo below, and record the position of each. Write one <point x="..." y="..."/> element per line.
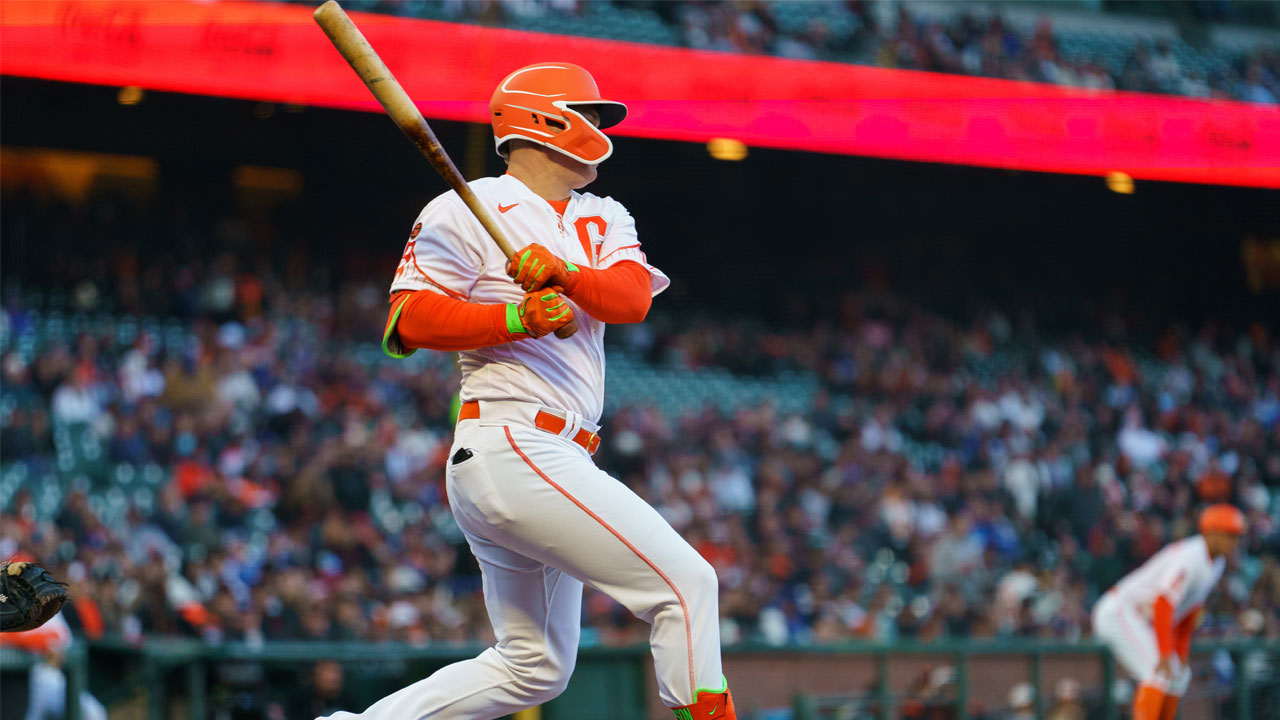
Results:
<point x="276" y="52"/>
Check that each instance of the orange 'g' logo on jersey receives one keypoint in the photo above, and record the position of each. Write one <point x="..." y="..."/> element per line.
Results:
<point x="591" y="230"/>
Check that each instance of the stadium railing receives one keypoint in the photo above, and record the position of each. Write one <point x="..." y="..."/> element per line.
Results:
<point x="171" y="677"/>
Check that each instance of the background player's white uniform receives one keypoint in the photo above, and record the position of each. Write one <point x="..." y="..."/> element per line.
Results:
<point x="47" y="684"/>
<point x="538" y="514"/>
<point x="1181" y="572"/>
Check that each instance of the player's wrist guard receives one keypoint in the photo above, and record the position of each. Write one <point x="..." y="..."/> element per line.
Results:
<point x="570" y="278"/>
<point x="539" y="313"/>
<point x="514" y="325"/>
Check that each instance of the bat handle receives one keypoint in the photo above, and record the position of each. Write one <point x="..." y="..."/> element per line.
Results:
<point x="567" y="331"/>
<point x="508" y="250"/>
<point x="564" y="331"/>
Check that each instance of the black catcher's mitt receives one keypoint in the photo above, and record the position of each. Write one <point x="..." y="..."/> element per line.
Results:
<point x="29" y="596"/>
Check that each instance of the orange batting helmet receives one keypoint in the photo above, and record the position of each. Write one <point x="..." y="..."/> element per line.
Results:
<point x="537" y="103"/>
<point x="1222" y="518"/>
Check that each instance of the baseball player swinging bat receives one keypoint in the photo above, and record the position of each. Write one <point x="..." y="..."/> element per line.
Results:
<point x="541" y="519"/>
<point x="362" y="58"/>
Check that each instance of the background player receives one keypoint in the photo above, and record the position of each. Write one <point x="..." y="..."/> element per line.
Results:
<point x="538" y="514"/>
<point x="1148" y="617"/>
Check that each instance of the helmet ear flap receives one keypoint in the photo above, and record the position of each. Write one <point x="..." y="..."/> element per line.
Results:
<point x="504" y="147"/>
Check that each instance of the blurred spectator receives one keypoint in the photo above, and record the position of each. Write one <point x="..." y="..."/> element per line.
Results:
<point x="1022" y="702"/>
<point x="1067" y="703"/>
<point x="323" y="693"/>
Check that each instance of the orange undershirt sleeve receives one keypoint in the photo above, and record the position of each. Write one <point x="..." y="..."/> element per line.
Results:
<point x="618" y="294"/>
<point x="40" y="641"/>
<point x="1182" y="634"/>
<point x="1162" y="622"/>
<point x="428" y="320"/>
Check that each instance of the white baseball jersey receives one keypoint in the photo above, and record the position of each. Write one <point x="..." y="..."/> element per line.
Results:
<point x="449" y="252"/>
<point x="540" y="517"/>
<point x="1182" y="572"/>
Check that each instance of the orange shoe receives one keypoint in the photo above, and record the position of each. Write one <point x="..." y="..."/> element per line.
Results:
<point x="710" y="705"/>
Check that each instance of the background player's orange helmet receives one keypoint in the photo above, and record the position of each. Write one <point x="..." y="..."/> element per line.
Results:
<point x="537" y="103"/>
<point x="1222" y="518"/>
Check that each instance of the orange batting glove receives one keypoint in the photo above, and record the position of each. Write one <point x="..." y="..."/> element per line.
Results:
<point x="539" y="313"/>
<point x="534" y="267"/>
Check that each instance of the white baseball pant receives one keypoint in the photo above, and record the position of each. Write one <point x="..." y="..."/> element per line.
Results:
<point x="47" y="696"/>
<point x="542" y="519"/>
<point x="1133" y="641"/>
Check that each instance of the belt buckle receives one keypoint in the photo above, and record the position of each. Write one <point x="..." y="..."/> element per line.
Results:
<point x="593" y="443"/>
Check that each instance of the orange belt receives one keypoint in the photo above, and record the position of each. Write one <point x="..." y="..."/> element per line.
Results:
<point x="544" y="421"/>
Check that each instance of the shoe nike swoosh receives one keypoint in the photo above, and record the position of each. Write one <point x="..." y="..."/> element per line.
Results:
<point x="502" y="209"/>
<point x="713" y="710"/>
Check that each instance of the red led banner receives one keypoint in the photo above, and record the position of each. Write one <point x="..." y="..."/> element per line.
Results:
<point x="276" y="52"/>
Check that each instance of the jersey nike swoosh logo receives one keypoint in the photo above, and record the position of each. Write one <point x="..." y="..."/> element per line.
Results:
<point x="502" y="209"/>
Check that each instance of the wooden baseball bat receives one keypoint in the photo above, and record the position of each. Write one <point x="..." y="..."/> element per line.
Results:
<point x="362" y="58"/>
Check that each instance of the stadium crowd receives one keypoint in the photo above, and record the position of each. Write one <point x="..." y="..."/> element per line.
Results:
<point x="282" y="479"/>
<point x="967" y="42"/>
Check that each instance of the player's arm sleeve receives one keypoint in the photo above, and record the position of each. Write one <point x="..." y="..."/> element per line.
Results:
<point x="1162" y="624"/>
<point x="53" y="636"/>
<point x="440" y="258"/>
<point x="622" y="244"/>
<point x="619" y="294"/>
<point x="1183" y="631"/>
<point x="424" y="319"/>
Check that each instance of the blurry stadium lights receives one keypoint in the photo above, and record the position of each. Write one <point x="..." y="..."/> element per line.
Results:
<point x="1120" y="183"/>
<point x="260" y="189"/>
<point x="70" y="175"/>
<point x="255" y="177"/>
<point x="727" y="149"/>
<point x="1261" y="259"/>
<point x="130" y="95"/>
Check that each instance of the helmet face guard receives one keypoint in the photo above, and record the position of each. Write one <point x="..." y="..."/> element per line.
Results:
<point x="540" y="103"/>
